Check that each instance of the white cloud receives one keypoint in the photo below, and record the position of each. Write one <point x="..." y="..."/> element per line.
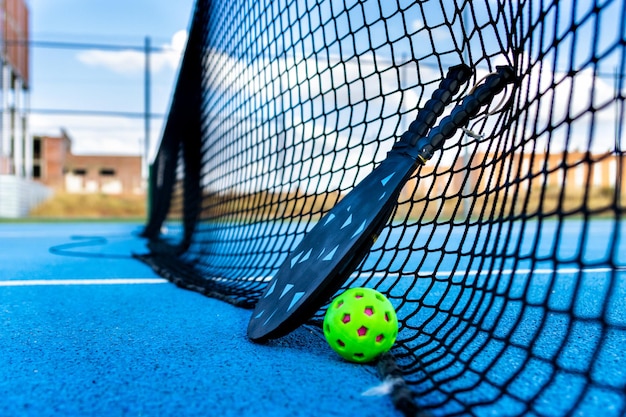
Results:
<point x="132" y="61"/>
<point x="333" y="128"/>
<point x="121" y="62"/>
<point x="559" y="104"/>
<point x="94" y="134"/>
<point x="179" y="40"/>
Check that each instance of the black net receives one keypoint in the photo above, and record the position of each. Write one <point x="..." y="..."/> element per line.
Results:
<point x="505" y="256"/>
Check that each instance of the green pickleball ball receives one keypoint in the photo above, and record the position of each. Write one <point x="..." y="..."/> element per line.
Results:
<point x="360" y="325"/>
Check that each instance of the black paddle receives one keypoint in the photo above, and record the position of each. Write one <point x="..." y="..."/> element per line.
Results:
<point x="332" y="249"/>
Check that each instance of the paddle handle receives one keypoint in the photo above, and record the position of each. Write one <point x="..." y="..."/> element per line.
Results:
<point x="434" y="107"/>
<point x="464" y="112"/>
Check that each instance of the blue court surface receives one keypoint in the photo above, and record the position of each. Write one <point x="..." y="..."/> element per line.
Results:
<point x="538" y="332"/>
<point x="87" y="330"/>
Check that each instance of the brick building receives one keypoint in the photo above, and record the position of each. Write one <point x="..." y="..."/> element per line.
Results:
<point x="18" y="192"/>
<point x="56" y="166"/>
<point x="15" y="146"/>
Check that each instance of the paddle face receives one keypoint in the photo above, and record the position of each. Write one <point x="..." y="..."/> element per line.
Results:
<point x="327" y="254"/>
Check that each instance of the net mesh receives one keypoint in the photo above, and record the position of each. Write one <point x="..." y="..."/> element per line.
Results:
<point x="505" y="256"/>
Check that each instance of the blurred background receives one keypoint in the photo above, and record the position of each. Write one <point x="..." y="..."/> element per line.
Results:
<point x="84" y="89"/>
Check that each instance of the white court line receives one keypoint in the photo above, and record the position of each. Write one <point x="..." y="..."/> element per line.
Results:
<point x="132" y="281"/>
<point x="53" y="282"/>
<point x="460" y="273"/>
<point x="444" y="274"/>
<point x="527" y="271"/>
<point x="91" y="234"/>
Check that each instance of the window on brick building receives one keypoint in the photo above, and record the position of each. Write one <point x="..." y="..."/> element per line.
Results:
<point x="37" y="148"/>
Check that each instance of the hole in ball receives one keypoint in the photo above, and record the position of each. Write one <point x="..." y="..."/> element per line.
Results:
<point x="369" y="311"/>
<point x="346" y="318"/>
<point x="362" y="331"/>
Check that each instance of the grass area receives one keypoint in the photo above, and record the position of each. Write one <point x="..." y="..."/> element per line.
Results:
<point x="596" y="201"/>
<point x="91" y="206"/>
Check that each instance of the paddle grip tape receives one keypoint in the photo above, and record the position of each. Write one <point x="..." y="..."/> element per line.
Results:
<point x="434" y="107"/>
<point x="463" y="112"/>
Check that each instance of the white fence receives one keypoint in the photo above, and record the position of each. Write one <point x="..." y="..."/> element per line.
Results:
<point x="19" y="195"/>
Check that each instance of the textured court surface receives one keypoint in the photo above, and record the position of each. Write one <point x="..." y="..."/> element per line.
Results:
<point x="87" y="330"/>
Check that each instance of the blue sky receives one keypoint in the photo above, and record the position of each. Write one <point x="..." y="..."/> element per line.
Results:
<point x="87" y="79"/>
